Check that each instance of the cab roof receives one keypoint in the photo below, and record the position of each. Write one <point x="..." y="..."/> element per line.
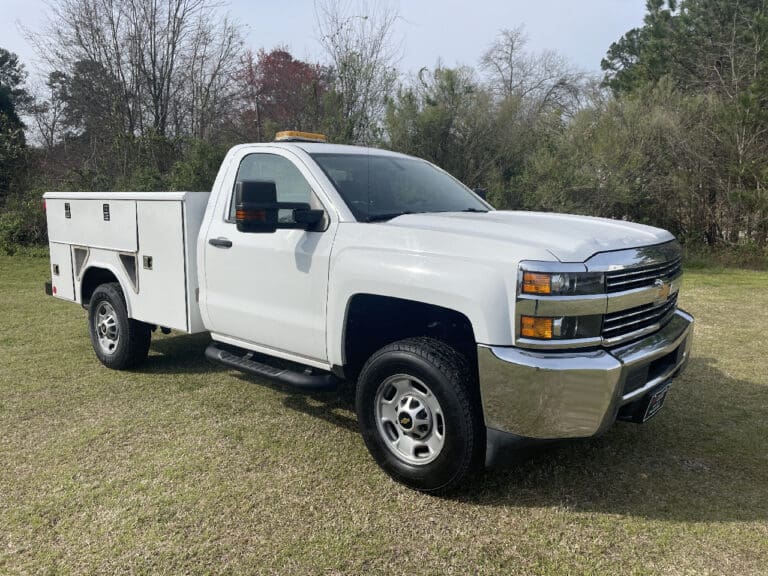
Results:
<point x="324" y="148"/>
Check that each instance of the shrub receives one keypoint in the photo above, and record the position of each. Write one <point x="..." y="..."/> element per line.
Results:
<point x="22" y="223"/>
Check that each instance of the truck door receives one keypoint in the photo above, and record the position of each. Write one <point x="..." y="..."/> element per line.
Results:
<point x="270" y="289"/>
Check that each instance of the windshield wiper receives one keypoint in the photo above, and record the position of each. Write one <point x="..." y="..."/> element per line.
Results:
<point x="383" y="217"/>
<point x="391" y="215"/>
<point x="464" y="210"/>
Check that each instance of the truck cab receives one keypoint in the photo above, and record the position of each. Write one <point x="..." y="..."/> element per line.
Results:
<point x="460" y="326"/>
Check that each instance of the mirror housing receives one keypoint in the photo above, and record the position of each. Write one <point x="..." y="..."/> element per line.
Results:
<point x="256" y="206"/>
<point x="257" y="209"/>
<point x="482" y="192"/>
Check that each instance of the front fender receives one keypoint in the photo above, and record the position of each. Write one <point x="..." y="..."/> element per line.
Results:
<point x="476" y="289"/>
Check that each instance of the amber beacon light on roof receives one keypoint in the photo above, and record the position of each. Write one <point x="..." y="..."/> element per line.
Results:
<point x="296" y="136"/>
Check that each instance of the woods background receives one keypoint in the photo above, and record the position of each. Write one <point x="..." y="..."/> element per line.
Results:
<point x="150" y="94"/>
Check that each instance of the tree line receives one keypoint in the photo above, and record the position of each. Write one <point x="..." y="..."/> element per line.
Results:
<point x="149" y="95"/>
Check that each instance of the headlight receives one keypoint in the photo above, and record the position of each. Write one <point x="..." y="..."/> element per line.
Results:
<point x="559" y="302"/>
<point x="560" y="328"/>
<point x="562" y="283"/>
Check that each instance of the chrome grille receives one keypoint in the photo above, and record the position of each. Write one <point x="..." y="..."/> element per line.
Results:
<point x="619" y="326"/>
<point x="642" y="276"/>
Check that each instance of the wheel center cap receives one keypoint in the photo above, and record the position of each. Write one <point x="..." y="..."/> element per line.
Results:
<point x="413" y="417"/>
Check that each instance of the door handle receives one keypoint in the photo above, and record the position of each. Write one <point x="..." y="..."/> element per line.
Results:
<point x="220" y="242"/>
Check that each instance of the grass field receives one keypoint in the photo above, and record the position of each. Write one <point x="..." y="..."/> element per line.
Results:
<point x="184" y="467"/>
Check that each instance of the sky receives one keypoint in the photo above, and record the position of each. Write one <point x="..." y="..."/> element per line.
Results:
<point x="456" y="32"/>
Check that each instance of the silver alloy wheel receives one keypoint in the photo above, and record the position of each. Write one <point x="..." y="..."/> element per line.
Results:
<point x="107" y="329"/>
<point x="409" y="419"/>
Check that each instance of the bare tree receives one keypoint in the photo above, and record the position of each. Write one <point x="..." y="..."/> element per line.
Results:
<point x="359" y="41"/>
<point x="171" y="59"/>
<point x="93" y="31"/>
<point x="48" y="110"/>
<point x="546" y="80"/>
<point x="209" y="78"/>
<point x="506" y="63"/>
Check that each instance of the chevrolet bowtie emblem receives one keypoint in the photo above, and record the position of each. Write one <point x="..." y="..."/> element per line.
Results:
<point x="405" y="421"/>
<point x="662" y="291"/>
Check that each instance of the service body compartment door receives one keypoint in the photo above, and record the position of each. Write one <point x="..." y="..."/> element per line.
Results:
<point x="100" y="223"/>
<point x="162" y="297"/>
<point x="61" y="271"/>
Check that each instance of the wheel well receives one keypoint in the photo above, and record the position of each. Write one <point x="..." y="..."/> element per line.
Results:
<point x="375" y="321"/>
<point x="92" y="279"/>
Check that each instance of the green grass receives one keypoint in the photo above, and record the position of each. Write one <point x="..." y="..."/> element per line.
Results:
<point x="183" y="467"/>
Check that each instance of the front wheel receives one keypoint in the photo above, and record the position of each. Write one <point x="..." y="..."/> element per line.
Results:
<point x="120" y="342"/>
<point x="420" y="415"/>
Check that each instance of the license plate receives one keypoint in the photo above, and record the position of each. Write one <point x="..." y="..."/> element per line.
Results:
<point x="656" y="402"/>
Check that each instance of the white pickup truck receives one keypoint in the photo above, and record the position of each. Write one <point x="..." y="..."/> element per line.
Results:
<point x="460" y="326"/>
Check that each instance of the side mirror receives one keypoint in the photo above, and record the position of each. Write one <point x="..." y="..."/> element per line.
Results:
<point x="482" y="192"/>
<point x="256" y="206"/>
<point x="257" y="209"/>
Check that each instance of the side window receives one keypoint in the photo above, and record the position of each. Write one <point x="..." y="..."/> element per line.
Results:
<point x="290" y="185"/>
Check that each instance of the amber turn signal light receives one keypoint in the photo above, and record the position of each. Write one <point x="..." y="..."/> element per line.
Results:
<point x="251" y="215"/>
<point x="537" y="283"/>
<point x="533" y="327"/>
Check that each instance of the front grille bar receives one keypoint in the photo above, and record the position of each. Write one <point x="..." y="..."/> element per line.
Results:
<point x="634" y="319"/>
<point x="639" y="277"/>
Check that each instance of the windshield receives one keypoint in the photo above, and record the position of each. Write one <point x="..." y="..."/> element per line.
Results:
<point x="379" y="187"/>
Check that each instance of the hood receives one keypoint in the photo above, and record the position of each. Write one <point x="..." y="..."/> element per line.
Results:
<point x="568" y="238"/>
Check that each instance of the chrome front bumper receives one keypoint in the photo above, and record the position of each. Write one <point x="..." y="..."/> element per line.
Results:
<point x="568" y="394"/>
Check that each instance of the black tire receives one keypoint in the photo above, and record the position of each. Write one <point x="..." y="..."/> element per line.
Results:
<point x="447" y="376"/>
<point x="120" y="342"/>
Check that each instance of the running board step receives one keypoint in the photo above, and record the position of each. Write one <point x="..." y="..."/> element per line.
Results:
<point x="308" y="382"/>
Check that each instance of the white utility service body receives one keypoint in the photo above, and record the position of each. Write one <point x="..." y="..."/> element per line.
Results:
<point x="327" y="295"/>
<point x="148" y="240"/>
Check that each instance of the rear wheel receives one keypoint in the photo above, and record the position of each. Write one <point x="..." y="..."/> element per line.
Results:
<point x="419" y="414"/>
<point x="120" y="342"/>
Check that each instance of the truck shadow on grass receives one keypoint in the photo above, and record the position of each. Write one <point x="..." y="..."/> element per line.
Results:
<point x="704" y="458"/>
<point x="179" y="354"/>
<point x="336" y="409"/>
<point x="186" y="354"/>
